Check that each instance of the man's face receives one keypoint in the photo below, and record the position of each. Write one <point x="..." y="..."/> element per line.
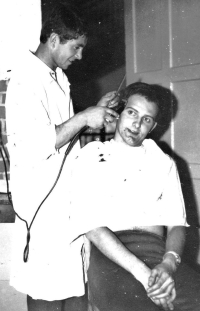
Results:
<point x="65" y="54"/>
<point x="136" y="121"/>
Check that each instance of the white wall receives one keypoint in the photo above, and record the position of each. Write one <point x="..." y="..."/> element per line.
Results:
<point x="20" y="26"/>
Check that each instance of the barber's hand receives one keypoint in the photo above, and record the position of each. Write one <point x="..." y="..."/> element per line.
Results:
<point x="108" y="100"/>
<point x="97" y="117"/>
<point x="161" y="286"/>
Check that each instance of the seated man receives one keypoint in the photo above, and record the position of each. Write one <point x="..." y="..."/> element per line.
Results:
<point x="128" y="202"/>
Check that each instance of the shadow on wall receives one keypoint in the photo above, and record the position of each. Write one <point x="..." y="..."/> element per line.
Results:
<point x="170" y="108"/>
<point x="85" y="95"/>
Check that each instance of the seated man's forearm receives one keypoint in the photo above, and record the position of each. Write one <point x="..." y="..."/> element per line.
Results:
<point x="175" y="239"/>
<point x="161" y="281"/>
<point x="107" y="242"/>
<point x="175" y="242"/>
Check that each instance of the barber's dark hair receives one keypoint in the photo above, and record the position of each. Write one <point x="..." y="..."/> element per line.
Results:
<point x="65" y="21"/>
<point x="146" y="90"/>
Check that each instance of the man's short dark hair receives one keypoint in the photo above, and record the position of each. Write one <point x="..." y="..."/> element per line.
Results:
<point x="149" y="91"/>
<point x="65" y="21"/>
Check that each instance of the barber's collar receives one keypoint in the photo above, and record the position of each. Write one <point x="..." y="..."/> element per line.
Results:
<point x="44" y="70"/>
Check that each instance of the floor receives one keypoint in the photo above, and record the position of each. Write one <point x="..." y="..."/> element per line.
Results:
<point x="10" y="299"/>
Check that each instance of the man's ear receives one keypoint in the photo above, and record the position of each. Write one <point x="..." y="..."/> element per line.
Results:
<point x="155" y="124"/>
<point x="54" y="40"/>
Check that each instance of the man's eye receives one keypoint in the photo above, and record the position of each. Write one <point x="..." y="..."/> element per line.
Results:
<point x="148" y="120"/>
<point x="131" y="112"/>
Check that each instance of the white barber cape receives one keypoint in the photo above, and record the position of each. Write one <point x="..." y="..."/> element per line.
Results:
<point x="121" y="187"/>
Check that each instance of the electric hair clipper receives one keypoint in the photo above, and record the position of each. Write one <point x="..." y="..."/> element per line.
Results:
<point x="118" y="103"/>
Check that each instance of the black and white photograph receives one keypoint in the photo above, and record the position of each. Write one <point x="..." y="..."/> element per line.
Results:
<point x="100" y="155"/>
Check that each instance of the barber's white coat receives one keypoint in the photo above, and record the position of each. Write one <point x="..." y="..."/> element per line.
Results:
<point x="35" y="104"/>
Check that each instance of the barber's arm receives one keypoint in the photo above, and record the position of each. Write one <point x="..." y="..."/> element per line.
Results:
<point x="107" y="242"/>
<point x="94" y="117"/>
<point x="110" y="100"/>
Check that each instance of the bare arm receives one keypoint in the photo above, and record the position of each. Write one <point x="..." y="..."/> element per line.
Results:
<point x="175" y="242"/>
<point x="107" y="242"/>
<point x="161" y="281"/>
<point x="94" y="117"/>
<point x="175" y="239"/>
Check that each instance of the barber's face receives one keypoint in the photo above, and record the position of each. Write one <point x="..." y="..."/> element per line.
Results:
<point x="65" y="54"/>
<point x="136" y="121"/>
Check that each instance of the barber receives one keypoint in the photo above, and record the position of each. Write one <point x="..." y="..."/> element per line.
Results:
<point x="40" y="121"/>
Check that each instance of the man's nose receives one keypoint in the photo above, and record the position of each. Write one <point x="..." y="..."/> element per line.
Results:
<point x="137" y="123"/>
<point x="79" y="55"/>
